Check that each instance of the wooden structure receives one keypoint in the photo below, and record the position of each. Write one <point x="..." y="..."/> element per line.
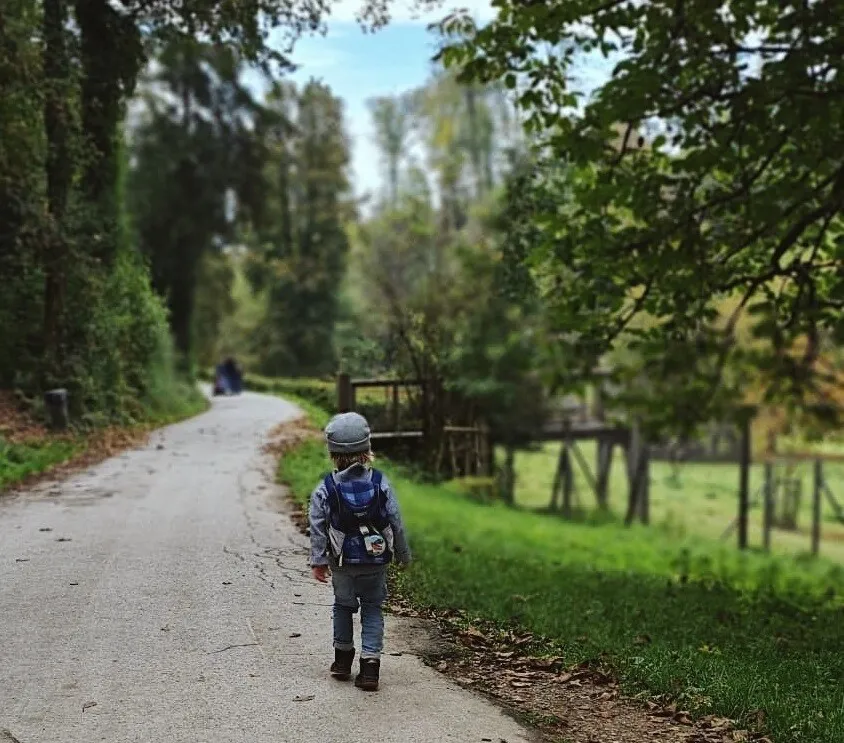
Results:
<point x="464" y="448"/>
<point x="782" y="494"/>
<point x="575" y="420"/>
<point x="448" y="448"/>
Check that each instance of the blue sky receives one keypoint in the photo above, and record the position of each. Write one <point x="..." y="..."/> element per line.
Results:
<point x="359" y="67"/>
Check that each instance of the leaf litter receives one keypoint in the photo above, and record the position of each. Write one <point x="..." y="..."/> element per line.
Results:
<point x="580" y="704"/>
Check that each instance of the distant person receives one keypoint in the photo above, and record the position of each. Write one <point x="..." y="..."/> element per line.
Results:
<point x="234" y="374"/>
<point x="221" y="381"/>
<point x="356" y="531"/>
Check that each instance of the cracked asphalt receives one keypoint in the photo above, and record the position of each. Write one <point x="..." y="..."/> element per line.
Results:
<point x="161" y="597"/>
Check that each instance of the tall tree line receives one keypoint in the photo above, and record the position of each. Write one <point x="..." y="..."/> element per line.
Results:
<point x="224" y="180"/>
<point x="77" y="306"/>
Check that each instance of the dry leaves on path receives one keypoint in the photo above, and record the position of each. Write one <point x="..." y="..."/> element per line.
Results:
<point x="581" y="704"/>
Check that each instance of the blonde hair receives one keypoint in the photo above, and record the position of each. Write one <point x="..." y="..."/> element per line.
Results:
<point x="343" y="461"/>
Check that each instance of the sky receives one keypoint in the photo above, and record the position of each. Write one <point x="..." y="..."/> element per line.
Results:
<point x="359" y="66"/>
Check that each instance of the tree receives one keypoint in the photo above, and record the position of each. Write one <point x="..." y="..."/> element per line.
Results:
<point x="198" y="169"/>
<point x="72" y="283"/>
<point x="391" y="116"/>
<point x="22" y="226"/>
<point x="303" y="245"/>
<point x="739" y="194"/>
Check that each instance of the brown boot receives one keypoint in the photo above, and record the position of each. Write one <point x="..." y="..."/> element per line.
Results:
<point x="367" y="679"/>
<point x="341" y="668"/>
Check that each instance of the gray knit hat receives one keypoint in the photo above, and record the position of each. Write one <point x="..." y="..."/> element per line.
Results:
<point x="347" y="433"/>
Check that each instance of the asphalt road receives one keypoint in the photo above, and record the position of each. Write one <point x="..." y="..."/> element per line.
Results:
<point x="162" y="598"/>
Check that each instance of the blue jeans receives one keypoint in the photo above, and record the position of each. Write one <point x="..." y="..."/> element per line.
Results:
<point x="367" y="592"/>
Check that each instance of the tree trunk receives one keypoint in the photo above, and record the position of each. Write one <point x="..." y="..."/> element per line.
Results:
<point x="112" y="54"/>
<point x="59" y="171"/>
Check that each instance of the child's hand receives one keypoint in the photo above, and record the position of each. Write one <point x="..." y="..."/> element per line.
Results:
<point x="320" y="573"/>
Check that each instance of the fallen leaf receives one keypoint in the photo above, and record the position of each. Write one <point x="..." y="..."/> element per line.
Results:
<point x="306" y="698"/>
<point x="544" y="664"/>
<point x="475" y="634"/>
<point x="88" y="705"/>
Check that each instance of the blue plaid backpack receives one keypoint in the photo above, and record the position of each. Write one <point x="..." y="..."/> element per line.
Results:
<point x="359" y="524"/>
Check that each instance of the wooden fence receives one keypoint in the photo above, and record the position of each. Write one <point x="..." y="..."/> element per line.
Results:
<point x="447" y="448"/>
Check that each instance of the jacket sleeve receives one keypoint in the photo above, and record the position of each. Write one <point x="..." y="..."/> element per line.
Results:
<point x="401" y="547"/>
<point x="318" y="522"/>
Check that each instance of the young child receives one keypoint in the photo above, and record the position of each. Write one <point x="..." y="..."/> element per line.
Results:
<point x="356" y="531"/>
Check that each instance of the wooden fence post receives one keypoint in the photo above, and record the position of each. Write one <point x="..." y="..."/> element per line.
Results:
<point x="509" y="476"/>
<point x="744" y="481"/>
<point x="644" y="484"/>
<point x="634" y="456"/>
<point x="768" y="513"/>
<point x="605" y="447"/>
<point x="345" y="393"/>
<point x="568" y="479"/>
<point x="816" y="507"/>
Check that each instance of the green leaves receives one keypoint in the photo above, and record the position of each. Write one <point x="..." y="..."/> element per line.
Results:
<point x="739" y="193"/>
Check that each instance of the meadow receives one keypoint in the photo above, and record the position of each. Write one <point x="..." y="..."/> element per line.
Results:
<point x="692" y="499"/>
<point x="720" y="631"/>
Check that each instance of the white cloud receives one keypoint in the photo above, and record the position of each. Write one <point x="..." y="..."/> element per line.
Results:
<point x="317" y="57"/>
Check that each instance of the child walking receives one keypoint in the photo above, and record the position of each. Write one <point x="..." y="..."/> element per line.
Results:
<point x="356" y="531"/>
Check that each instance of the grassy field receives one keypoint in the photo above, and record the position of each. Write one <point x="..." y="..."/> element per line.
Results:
<point x="692" y="499"/>
<point x="722" y="632"/>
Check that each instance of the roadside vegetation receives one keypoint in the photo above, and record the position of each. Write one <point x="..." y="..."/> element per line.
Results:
<point x="752" y="637"/>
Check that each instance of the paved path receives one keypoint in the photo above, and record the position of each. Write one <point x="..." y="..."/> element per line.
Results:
<point x="160" y="598"/>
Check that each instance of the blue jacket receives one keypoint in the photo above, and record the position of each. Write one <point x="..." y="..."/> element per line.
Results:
<point x="318" y="516"/>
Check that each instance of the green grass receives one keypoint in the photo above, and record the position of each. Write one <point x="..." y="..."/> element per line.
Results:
<point x="19" y="461"/>
<point x="722" y="632"/>
<point x="693" y="499"/>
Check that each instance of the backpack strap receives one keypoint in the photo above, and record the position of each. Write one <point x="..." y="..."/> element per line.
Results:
<point x="331" y="488"/>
